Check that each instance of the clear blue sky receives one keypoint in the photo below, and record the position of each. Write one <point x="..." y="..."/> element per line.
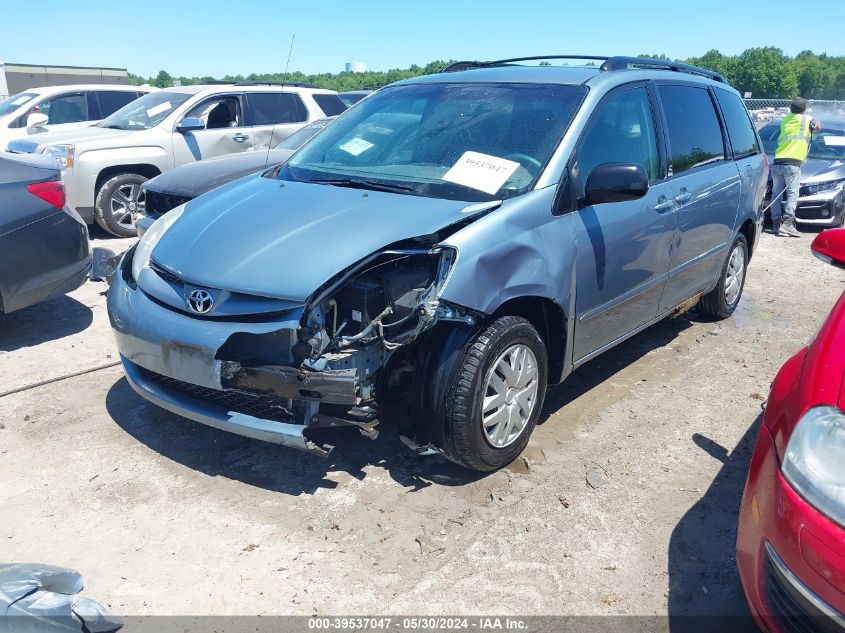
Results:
<point x="241" y="36"/>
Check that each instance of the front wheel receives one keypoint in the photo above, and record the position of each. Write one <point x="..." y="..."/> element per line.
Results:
<point x="721" y="302"/>
<point x="117" y="200"/>
<point x="496" y="398"/>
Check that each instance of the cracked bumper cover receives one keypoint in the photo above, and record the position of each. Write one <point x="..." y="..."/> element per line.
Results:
<point x="153" y="340"/>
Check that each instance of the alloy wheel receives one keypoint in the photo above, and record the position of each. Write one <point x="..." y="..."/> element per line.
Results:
<point x="125" y="201"/>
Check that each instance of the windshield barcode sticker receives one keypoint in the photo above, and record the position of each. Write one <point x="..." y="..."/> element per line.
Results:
<point x="481" y="171"/>
<point x="356" y="146"/>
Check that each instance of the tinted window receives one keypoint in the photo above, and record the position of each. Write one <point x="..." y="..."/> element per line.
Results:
<point x="740" y="128"/>
<point x="695" y="137"/>
<point x="621" y="130"/>
<point x="68" y="108"/>
<point x="330" y="104"/>
<point x="277" y="107"/>
<point x="112" y="100"/>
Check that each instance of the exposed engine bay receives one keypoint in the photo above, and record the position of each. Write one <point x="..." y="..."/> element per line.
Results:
<point x="350" y="329"/>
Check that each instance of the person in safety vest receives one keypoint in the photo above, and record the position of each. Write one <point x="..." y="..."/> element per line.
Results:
<point x="793" y="146"/>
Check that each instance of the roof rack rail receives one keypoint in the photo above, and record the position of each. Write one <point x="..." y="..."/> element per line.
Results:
<point x="469" y="65"/>
<point x="608" y="64"/>
<point x="293" y="84"/>
<point x="621" y="63"/>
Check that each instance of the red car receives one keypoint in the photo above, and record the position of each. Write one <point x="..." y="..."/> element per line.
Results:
<point x="791" y="537"/>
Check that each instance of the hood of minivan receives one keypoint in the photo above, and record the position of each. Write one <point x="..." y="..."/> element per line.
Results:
<point x="80" y="137"/>
<point x="285" y="239"/>
<point x="195" y="179"/>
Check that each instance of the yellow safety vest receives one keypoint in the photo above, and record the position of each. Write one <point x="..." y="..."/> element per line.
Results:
<point x="794" y="139"/>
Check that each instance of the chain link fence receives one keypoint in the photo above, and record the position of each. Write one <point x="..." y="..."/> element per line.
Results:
<point x="765" y="110"/>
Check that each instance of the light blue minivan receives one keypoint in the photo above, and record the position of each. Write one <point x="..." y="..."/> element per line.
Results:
<point x="454" y="244"/>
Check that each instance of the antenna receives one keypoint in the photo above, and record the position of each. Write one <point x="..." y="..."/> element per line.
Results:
<point x="281" y="89"/>
<point x="290" y="52"/>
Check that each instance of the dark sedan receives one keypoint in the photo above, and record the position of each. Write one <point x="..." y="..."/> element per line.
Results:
<point x="821" y="198"/>
<point x="180" y="185"/>
<point x="44" y="249"/>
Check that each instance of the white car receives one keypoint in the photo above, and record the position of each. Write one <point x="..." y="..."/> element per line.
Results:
<point x="104" y="166"/>
<point x="60" y="108"/>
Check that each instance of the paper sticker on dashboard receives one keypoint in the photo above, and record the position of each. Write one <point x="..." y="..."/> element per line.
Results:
<point x="481" y="171"/>
<point x="161" y="107"/>
<point x="834" y="141"/>
<point x="356" y="146"/>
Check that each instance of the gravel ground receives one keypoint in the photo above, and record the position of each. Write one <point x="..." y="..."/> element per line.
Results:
<point x="625" y="501"/>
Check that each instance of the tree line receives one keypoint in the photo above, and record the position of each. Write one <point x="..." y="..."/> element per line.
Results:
<point x="764" y="72"/>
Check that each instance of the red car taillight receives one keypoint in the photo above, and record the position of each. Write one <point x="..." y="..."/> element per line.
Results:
<point x="52" y="192"/>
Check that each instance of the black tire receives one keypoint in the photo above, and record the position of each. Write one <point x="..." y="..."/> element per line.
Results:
<point x="715" y="303"/>
<point x="465" y="441"/>
<point x="102" y="206"/>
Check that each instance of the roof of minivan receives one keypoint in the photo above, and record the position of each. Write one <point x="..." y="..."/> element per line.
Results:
<point x="566" y="75"/>
<point x="520" y="74"/>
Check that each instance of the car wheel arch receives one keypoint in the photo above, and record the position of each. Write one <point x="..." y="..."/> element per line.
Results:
<point x="749" y="230"/>
<point x="550" y="320"/>
<point x="142" y="169"/>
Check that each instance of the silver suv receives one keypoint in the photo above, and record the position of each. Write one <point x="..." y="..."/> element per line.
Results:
<point x="104" y="166"/>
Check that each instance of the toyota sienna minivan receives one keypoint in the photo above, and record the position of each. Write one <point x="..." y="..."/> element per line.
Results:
<point x="452" y="245"/>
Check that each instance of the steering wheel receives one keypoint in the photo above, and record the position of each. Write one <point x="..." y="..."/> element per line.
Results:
<point x="524" y="158"/>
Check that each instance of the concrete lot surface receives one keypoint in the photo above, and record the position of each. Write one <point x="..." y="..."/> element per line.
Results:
<point x="625" y="501"/>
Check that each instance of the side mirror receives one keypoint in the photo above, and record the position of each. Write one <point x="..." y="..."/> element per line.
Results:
<point x="35" y="122"/>
<point x="615" y="182"/>
<point x="829" y="246"/>
<point x="190" y="124"/>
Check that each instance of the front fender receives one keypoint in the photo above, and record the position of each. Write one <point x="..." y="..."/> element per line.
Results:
<point x="521" y="249"/>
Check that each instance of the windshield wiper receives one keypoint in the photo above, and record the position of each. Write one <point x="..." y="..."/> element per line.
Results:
<point x="361" y="184"/>
<point x="114" y="127"/>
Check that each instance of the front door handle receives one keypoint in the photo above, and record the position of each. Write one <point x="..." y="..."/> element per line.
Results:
<point x="663" y="204"/>
<point x="240" y="138"/>
<point x="683" y="196"/>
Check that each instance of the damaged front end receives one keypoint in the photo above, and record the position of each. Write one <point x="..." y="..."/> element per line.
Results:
<point x="281" y="370"/>
<point x="349" y="330"/>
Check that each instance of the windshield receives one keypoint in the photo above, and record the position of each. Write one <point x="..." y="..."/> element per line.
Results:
<point x="16" y="101"/>
<point x="298" y="138"/>
<point x="472" y="142"/>
<point x="829" y="144"/>
<point x="146" y="112"/>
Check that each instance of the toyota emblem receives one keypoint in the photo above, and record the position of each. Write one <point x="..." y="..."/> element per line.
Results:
<point x="200" y="301"/>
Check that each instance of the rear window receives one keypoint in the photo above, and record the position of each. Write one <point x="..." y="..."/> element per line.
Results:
<point x="113" y="100"/>
<point x="695" y="136"/>
<point x="269" y="108"/>
<point x="740" y="128"/>
<point x="330" y="104"/>
<point x="769" y="135"/>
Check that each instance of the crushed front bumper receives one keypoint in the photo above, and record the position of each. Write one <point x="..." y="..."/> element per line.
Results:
<point x="179" y="363"/>
<point x="207" y="412"/>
